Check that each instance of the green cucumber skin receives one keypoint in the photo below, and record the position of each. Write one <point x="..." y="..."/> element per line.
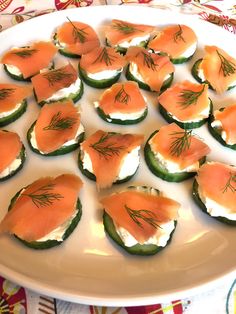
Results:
<point x="194" y="72"/>
<point x="98" y="84"/>
<point x="183" y="125"/>
<point x="138" y="249"/>
<point x="144" y="86"/>
<point x="23" y="158"/>
<point x="74" y="97"/>
<point x="63" y="51"/>
<point x="37" y="245"/>
<point x="15" y="115"/>
<point x="107" y="118"/>
<point x="58" y="152"/>
<point x="181" y="60"/>
<point x="160" y="172"/>
<point x="202" y="206"/>
<point x="217" y="135"/>
<point x="92" y="177"/>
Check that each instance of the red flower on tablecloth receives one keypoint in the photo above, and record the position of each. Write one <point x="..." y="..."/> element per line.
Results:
<point x="66" y="4"/>
<point x="12" y="298"/>
<point x="4" y="4"/>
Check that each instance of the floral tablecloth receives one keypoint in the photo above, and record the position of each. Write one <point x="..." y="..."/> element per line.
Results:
<point x="18" y="300"/>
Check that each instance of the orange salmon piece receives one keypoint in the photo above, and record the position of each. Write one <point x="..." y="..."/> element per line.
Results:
<point x="227" y="117"/>
<point x="10" y="147"/>
<point x="173" y="40"/>
<point x="50" y="132"/>
<point x="107" y="152"/>
<point x="121" y="206"/>
<point x="11" y="95"/>
<point x="217" y="182"/>
<point x="48" y="83"/>
<point x="167" y="142"/>
<point x="175" y="102"/>
<point x="33" y="217"/>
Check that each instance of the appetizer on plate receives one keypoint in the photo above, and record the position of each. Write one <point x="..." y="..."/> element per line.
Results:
<point x="140" y="219"/>
<point x="179" y="42"/>
<point x="222" y="126"/>
<point x="13" y="102"/>
<point x="151" y="71"/>
<point x="74" y="38"/>
<point x="12" y="152"/>
<point x="122" y="35"/>
<point x="22" y="63"/>
<point x="174" y="154"/>
<point x="123" y="103"/>
<point x="187" y="104"/>
<point x="57" y="84"/>
<point x="101" y="67"/>
<point x="214" y="190"/>
<point x="217" y="68"/>
<point x="44" y="213"/>
<point x="109" y="157"/>
<point x="57" y="131"/>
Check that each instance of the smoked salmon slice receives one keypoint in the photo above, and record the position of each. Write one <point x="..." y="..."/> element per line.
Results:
<point x="227" y="117"/>
<point x="217" y="181"/>
<point x="107" y="151"/>
<point x="57" y="124"/>
<point x="30" y="60"/>
<point x="178" y="145"/>
<point x="121" y="31"/>
<point x="154" y="69"/>
<point x="102" y="59"/>
<point x="140" y="213"/>
<point x="48" y="83"/>
<point x="122" y="97"/>
<point x="186" y="101"/>
<point x="11" y="95"/>
<point x="77" y="37"/>
<point x="173" y="40"/>
<point x="10" y="148"/>
<point x="42" y="206"/>
<point x="219" y="68"/>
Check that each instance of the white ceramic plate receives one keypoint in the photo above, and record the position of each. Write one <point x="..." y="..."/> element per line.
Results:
<point x="88" y="267"/>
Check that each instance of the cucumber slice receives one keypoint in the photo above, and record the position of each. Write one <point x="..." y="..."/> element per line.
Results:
<point x="41" y="245"/>
<point x="143" y="85"/>
<point x="184" y="125"/>
<point x="22" y="157"/>
<point x="123" y="50"/>
<point x="14" y="115"/>
<point x="158" y="170"/>
<point x="108" y="119"/>
<point x="194" y="72"/>
<point x="61" y="151"/>
<point x="174" y="60"/>
<point x="92" y="177"/>
<point x="64" y="51"/>
<point x="98" y="83"/>
<point x="202" y="206"/>
<point x="216" y="132"/>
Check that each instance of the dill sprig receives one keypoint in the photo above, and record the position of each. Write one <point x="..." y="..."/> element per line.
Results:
<point x="78" y="34"/>
<point x="6" y="92"/>
<point x="55" y="76"/>
<point x="105" y="57"/>
<point x="229" y="185"/>
<point x="227" y="67"/>
<point x="189" y="97"/>
<point x="25" y="53"/>
<point x="60" y="123"/>
<point x="178" y="35"/>
<point x="181" y="142"/>
<point x="143" y="214"/>
<point x="122" y="96"/>
<point x="125" y="28"/>
<point x="148" y="61"/>
<point x="104" y="149"/>
<point x="44" y="196"/>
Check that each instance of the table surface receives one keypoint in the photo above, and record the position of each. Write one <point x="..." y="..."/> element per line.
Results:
<point x="221" y="299"/>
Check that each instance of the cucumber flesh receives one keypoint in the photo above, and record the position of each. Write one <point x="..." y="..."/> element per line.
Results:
<point x="14" y="115"/>
<point x="202" y="206"/>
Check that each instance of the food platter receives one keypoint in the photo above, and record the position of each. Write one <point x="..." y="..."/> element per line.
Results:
<point x="88" y="267"/>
